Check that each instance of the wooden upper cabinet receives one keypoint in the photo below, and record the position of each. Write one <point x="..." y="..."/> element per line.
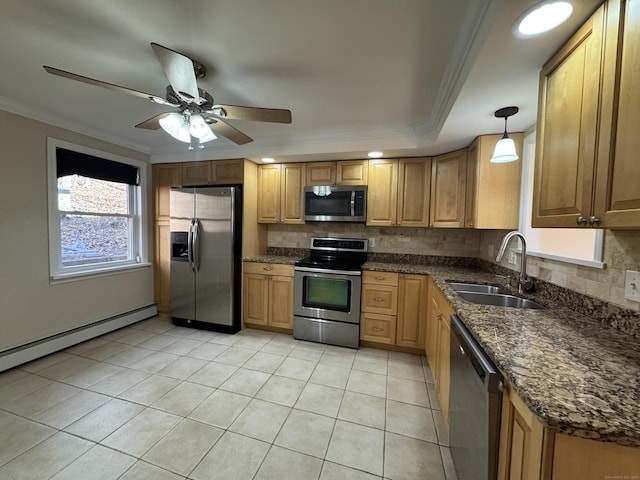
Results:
<point x="321" y="173"/>
<point x="292" y="178"/>
<point x="352" y="172"/>
<point x="493" y="189"/>
<point x="617" y="172"/>
<point x="414" y="187"/>
<point x="382" y="193"/>
<point x="227" y="172"/>
<point x="566" y="130"/>
<point x="448" y="189"/>
<point x="165" y="176"/>
<point x="269" y="193"/>
<point x="197" y="173"/>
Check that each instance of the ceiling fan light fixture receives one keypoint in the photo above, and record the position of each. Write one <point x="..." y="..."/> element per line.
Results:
<point x="198" y="127"/>
<point x="174" y="124"/>
<point x="542" y="17"/>
<point x="505" y="150"/>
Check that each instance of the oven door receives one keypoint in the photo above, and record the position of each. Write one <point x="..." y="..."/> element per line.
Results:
<point x="327" y="294"/>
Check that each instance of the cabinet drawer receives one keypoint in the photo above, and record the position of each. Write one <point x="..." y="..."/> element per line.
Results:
<point x="380" y="278"/>
<point x="268" y="269"/>
<point x="379" y="299"/>
<point x="378" y="328"/>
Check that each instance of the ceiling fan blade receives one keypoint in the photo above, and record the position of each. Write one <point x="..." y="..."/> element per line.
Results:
<point x="110" y="86"/>
<point x="152" y="123"/>
<point x="179" y="71"/>
<point x="223" y="129"/>
<point x="235" y="112"/>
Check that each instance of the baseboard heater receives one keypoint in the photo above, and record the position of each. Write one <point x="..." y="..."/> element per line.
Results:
<point x="39" y="348"/>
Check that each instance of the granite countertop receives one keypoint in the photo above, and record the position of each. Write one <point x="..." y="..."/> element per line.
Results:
<point x="276" y="259"/>
<point x="578" y="376"/>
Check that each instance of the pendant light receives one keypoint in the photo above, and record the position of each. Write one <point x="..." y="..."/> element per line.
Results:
<point x="505" y="150"/>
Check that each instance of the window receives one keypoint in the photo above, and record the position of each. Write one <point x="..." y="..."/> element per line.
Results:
<point x="582" y="246"/>
<point x="95" y="210"/>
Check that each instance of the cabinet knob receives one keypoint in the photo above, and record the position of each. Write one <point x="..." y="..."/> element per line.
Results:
<point x="581" y="220"/>
<point x="593" y="220"/>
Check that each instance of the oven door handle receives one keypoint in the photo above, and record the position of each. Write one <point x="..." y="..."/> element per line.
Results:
<point x="351" y="273"/>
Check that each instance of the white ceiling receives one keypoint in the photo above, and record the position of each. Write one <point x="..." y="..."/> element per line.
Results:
<point x="409" y="77"/>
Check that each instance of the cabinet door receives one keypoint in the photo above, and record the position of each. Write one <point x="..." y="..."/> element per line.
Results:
<point x="378" y="328"/>
<point x="382" y="194"/>
<point x="433" y="318"/>
<point x="521" y="440"/>
<point x="292" y="178"/>
<point x="566" y="131"/>
<point x="444" y="364"/>
<point x="617" y="195"/>
<point x="165" y="176"/>
<point x="448" y="189"/>
<point x="227" y="172"/>
<point x="321" y="173"/>
<point x="352" y="172"/>
<point x="412" y="307"/>
<point x="381" y="299"/>
<point x="414" y="188"/>
<point x="256" y="298"/>
<point x="269" y="194"/>
<point x="281" y="302"/>
<point x="196" y="173"/>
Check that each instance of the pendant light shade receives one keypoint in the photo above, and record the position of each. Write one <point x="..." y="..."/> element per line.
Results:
<point x="505" y="150"/>
<point x="175" y="125"/>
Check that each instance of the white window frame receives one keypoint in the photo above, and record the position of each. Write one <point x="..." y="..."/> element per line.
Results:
<point x="137" y="251"/>
<point x="526" y="207"/>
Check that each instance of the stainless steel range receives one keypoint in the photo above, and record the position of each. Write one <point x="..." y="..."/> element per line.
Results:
<point x="327" y="291"/>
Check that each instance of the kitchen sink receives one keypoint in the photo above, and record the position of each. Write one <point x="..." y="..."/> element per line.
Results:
<point x="498" y="299"/>
<point x="475" y="287"/>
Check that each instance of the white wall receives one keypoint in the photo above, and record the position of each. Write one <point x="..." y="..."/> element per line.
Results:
<point x="31" y="307"/>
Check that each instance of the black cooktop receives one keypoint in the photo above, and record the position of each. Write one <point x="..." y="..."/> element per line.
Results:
<point x="336" y="253"/>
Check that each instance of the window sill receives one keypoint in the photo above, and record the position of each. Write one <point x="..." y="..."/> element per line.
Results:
<point x="574" y="261"/>
<point x="98" y="272"/>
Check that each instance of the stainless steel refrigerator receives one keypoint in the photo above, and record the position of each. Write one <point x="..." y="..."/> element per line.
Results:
<point x="205" y="270"/>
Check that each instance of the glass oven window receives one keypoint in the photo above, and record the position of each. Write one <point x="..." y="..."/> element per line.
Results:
<point x="327" y="293"/>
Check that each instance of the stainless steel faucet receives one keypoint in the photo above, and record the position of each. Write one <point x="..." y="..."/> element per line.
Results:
<point x="524" y="283"/>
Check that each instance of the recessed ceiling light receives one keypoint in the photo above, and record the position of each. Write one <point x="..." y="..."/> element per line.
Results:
<point x="542" y="17"/>
<point x="374" y="154"/>
<point x="267" y="160"/>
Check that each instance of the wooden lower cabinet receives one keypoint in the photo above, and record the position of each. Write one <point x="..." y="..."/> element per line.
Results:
<point x="412" y="307"/>
<point x="378" y="328"/>
<point x="268" y="295"/>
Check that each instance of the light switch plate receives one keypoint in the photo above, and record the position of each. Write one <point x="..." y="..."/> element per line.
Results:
<point x="490" y="251"/>
<point x="632" y="286"/>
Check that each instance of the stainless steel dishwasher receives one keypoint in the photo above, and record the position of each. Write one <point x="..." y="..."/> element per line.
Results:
<point x="474" y="407"/>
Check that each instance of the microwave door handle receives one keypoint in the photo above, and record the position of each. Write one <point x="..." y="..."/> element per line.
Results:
<point x="353" y="203"/>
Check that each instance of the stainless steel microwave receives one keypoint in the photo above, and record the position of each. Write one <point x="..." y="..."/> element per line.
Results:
<point x="330" y="203"/>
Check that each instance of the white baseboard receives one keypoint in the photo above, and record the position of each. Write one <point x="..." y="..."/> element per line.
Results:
<point x="33" y="350"/>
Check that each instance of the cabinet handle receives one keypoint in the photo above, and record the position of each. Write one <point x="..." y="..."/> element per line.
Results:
<point x="379" y="278"/>
<point x="267" y="269"/>
<point x="581" y="220"/>
<point x="379" y="299"/>
<point x="377" y="329"/>
<point x="401" y="275"/>
<point x="593" y="220"/>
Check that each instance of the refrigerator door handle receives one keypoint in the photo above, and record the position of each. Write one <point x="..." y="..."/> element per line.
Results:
<point x="190" y="246"/>
<point x="196" y="245"/>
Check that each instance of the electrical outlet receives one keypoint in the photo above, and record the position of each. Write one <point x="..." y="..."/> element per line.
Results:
<point x="512" y="256"/>
<point x="632" y="286"/>
<point x="490" y="251"/>
<point x="372" y="242"/>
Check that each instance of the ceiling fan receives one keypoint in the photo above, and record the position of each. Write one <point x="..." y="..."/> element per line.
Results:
<point x="197" y="117"/>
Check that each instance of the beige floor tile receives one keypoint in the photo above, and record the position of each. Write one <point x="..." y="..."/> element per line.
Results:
<point x="17" y="435"/>
<point x="320" y="399"/>
<point x="183" y="398"/>
<point x="296" y="368"/>
<point x="264" y="362"/>
<point x="12" y="375"/>
<point x="225" y="339"/>
<point x="363" y="409"/>
<point x="367" y="383"/>
<point x="183" y="346"/>
<point x="145" y="471"/>
<point x="283" y="464"/>
<point x="41" y="399"/>
<point x="159" y="342"/>
<point x="433" y="396"/>
<point x="411" y="421"/>
<point x="93" y="374"/>
<point x="129" y="356"/>
<point x="407" y="459"/>
<point x="447" y="463"/>
<point x="117" y="383"/>
<point x="252" y="342"/>
<point x="278" y="347"/>
<point x="338" y="358"/>
<point x="45" y="362"/>
<point x="370" y="363"/>
<point x="406" y="369"/>
<point x="406" y="357"/>
<point x="236" y="356"/>
<point x="220" y="409"/>
<point x="357" y="446"/>
<point x="203" y="335"/>
<point x="213" y="374"/>
<point x="281" y="390"/>
<point x="142" y="432"/>
<point x="296" y="433"/>
<point x="99" y="463"/>
<point x="72" y="409"/>
<point x="150" y="389"/>
<point x="308" y="351"/>
<point x="245" y="382"/>
<point x="104" y="420"/>
<point x="261" y="420"/>
<point x="137" y="337"/>
<point x="155" y="362"/>
<point x="376" y="352"/>
<point x="330" y="375"/>
<point x="183" y="368"/>
<point x="180" y="332"/>
<point x="333" y="471"/>
<point x="159" y="324"/>
<point x="408" y="391"/>
<point x="208" y="351"/>
<point x="67" y="368"/>
<point x="105" y="351"/>
<point x="45" y="459"/>
<point x="121" y="332"/>
<point x="86" y="346"/>
<point x="442" y="430"/>
<point x="233" y="457"/>
<point x="183" y="448"/>
<point x="428" y="376"/>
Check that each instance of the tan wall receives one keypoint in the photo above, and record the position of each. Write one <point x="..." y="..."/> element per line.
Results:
<point x="30" y="307"/>
<point x="621" y="253"/>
